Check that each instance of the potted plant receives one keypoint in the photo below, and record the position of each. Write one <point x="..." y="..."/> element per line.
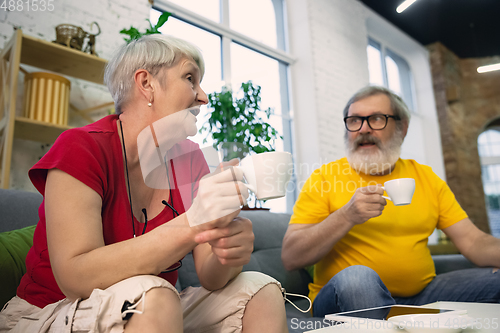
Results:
<point x="238" y="120"/>
<point x="133" y="33"/>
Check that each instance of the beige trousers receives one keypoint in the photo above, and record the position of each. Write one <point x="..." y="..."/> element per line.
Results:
<point x="204" y="311"/>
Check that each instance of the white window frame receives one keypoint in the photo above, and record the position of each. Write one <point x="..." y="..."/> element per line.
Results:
<point x="228" y="36"/>
<point x="405" y="73"/>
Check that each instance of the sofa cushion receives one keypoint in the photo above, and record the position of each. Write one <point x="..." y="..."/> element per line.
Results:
<point x="14" y="246"/>
<point x="269" y="229"/>
<point x="451" y="262"/>
<point x="187" y="273"/>
<point x="18" y="209"/>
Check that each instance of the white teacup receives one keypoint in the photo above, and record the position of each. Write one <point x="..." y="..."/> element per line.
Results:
<point x="400" y="190"/>
<point x="267" y="174"/>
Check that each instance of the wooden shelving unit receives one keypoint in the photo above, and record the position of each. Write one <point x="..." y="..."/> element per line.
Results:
<point x="35" y="130"/>
<point x="23" y="49"/>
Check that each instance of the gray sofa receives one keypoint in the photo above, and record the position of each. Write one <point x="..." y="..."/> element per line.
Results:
<point x="19" y="209"/>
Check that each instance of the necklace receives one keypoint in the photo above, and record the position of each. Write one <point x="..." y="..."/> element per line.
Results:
<point x="171" y="206"/>
<point x="175" y="213"/>
<point x="128" y="180"/>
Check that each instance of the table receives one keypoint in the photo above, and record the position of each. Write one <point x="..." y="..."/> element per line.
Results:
<point x="484" y="312"/>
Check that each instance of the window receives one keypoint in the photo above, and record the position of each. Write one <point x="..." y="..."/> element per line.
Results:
<point x="207" y="8"/>
<point x="489" y="152"/>
<point x="386" y="68"/>
<point x="375" y="67"/>
<point x="238" y="48"/>
<point x="264" y="71"/>
<point x="209" y="43"/>
<point x="242" y="18"/>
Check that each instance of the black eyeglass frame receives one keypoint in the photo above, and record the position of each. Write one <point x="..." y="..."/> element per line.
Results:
<point x="387" y="116"/>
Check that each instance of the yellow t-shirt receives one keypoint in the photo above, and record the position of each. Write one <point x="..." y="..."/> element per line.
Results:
<point x="393" y="244"/>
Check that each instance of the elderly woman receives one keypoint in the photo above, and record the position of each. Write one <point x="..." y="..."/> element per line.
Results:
<point x="109" y="239"/>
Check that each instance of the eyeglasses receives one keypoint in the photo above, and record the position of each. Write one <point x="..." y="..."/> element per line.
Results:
<point x="375" y="121"/>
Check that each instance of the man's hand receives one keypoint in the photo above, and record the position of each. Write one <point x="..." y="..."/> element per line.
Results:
<point x="233" y="244"/>
<point x="366" y="203"/>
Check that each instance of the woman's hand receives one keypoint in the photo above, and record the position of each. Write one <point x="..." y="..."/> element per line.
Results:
<point x="233" y="244"/>
<point x="220" y="196"/>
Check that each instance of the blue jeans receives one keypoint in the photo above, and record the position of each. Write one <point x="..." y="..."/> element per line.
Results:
<point x="360" y="287"/>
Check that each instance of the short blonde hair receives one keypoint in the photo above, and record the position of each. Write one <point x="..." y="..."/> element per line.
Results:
<point x="150" y="52"/>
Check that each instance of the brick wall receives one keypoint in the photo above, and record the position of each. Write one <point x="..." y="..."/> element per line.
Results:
<point x="466" y="101"/>
<point x="111" y="16"/>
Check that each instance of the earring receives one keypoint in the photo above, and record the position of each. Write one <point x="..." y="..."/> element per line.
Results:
<point x="150" y="101"/>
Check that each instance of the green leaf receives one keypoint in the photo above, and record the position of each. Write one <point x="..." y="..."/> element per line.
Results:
<point x="131" y="32"/>
<point x="134" y="33"/>
<point x="162" y="19"/>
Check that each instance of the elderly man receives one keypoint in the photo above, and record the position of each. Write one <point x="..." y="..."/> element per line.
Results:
<point x="368" y="252"/>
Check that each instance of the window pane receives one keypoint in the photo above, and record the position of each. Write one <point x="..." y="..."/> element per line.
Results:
<point x="375" y="65"/>
<point x="483" y="138"/>
<point x="496" y="171"/>
<point x="482" y="150"/>
<point x="263" y="71"/>
<point x="210" y="46"/>
<point x="489" y="146"/>
<point x="492" y="173"/>
<point x="484" y="173"/>
<point x="393" y="75"/>
<point x="489" y="188"/>
<point x="488" y="143"/>
<point x="256" y="19"/>
<point x="495" y="149"/>
<point x="402" y="83"/>
<point x="494" y="136"/>
<point x="207" y="8"/>
<point x="397" y="75"/>
<point x="249" y="65"/>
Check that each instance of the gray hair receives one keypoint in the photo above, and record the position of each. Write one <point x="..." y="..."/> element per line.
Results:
<point x="398" y="106"/>
<point x="150" y="52"/>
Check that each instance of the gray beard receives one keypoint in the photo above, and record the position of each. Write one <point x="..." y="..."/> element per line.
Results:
<point x="375" y="162"/>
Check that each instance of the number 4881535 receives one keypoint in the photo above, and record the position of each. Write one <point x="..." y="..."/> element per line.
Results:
<point x="27" y="5"/>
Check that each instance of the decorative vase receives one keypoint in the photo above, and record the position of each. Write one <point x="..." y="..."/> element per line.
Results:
<point x="46" y="97"/>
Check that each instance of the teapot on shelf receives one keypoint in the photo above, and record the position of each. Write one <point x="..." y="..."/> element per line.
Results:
<point x="74" y="36"/>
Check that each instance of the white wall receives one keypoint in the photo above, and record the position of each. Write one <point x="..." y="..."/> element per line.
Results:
<point x="112" y="16"/>
<point x="328" y="38"/>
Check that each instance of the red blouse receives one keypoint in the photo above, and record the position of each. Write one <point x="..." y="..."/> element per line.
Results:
<point x="93" y="155"/>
